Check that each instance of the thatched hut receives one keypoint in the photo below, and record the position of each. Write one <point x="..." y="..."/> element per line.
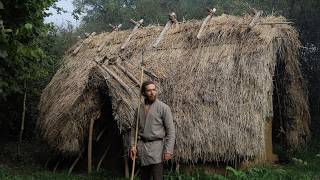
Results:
<point x="224" y="88"/>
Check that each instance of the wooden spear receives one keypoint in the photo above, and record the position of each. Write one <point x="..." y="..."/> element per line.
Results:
<point x="210" y="15"/>
<point x="135" y="29"/>
<point x="137" y="118"/>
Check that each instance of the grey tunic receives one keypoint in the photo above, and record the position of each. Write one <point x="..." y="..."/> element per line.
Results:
<point x="156" y="124"/>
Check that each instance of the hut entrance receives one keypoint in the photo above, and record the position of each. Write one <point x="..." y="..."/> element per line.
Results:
<point x="108" y="143"/>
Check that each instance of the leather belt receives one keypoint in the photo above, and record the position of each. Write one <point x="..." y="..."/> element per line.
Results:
<point x="149" y="140"/>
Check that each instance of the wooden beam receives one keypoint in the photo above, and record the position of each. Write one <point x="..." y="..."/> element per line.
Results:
<point x="117" y="78"/>
<point x="131" y="76"/>
<point x="210" y="15"/>
<point x="135" y="29"/>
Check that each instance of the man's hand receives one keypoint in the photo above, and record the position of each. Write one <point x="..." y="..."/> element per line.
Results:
<point x="167" y="156"/>
<point x="133" y="152"/>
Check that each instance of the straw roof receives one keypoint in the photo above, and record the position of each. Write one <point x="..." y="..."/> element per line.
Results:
<point x="220" y="88"/>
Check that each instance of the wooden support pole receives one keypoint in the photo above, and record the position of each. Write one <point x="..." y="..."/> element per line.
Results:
<point x="254" y="21"/>
<point x="210" y="15"/>
<point x="101" y="133"/>
<point x="47" y="162"/>
<point x="103" y="156"/>
<point x="74" y="163"/>
<point x="135" y="29"/>
<point x="90" y="145"/>
<point x="172" y="20"/>
<point x="126" y="166"/>
<point x="56" y="166"/>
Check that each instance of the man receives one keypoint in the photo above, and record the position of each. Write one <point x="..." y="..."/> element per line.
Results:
<point x="156" y="134"/>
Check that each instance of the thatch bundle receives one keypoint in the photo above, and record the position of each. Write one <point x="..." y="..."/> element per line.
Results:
<point x="220" y="88"/>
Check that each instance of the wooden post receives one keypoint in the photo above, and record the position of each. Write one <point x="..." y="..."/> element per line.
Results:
<point x="90" y="145"/>
<point x="210" y="14"/>
<point x="135" y="29"/>
<point x="172" y="20"/>
<point x="22" y="117"/>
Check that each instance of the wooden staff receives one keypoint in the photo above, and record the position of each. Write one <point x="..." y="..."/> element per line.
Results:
<point x="137" y="118"/>
<point x="135" y="29"/>
<point x="210" y="14"/>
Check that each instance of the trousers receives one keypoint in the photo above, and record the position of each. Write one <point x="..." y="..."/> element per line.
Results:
<point x="154" y="170"/>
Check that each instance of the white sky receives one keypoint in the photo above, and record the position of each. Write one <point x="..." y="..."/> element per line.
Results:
<point x="63" y="18"/>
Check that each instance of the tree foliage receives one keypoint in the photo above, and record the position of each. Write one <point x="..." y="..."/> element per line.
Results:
<point x="30" y="51"/>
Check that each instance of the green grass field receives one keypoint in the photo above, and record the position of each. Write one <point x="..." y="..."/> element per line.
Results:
<point x="303" y="164"/>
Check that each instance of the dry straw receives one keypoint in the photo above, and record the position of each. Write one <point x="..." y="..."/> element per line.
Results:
<point x="220" y="88"/>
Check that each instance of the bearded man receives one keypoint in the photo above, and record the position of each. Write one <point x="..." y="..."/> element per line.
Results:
<point x="156" y="134"/>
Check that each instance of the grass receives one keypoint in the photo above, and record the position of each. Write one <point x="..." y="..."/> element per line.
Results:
<point x="302" y="164"/>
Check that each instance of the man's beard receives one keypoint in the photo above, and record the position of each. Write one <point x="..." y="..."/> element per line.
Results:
<point x="151" y="99"/>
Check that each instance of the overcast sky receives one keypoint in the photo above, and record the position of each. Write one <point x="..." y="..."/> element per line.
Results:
<point x="63" y="18"/>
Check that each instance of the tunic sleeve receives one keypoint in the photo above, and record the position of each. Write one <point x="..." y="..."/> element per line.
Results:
<point x="170" y="130"/>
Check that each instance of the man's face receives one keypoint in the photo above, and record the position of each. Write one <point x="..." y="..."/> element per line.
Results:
<point x="150" y="92"/>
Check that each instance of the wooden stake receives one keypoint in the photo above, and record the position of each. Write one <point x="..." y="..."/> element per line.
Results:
<point x="90" y="145"/>
<point x="74" y="163"/>
<point x="210" y="14"/>
<point x="135" y="29"/>
<point x="22" y="117"/>
<point x="172" y="20"/>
